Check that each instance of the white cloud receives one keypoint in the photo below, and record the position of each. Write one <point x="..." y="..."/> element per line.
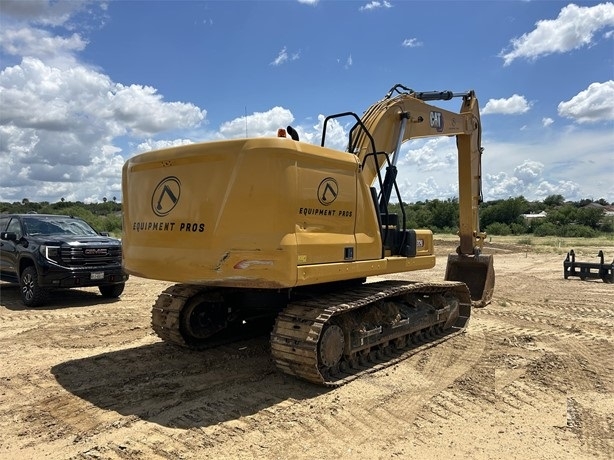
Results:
<point x="260" y="124"/>
<point x="501" y="186"/>
<point x="531" y="167"/>
<point x="375" y="5"/>
<point x="429" y="154"/>
<point x="529" y="171"/>
<point x="594" y="104"/>
<point x="426" y="188"/>
<point x="59" y="118"/>
<point x="547" y="121"/>
<point x="257" y="124"/>
<point x="411" y="43"/>
<point x="336" y="133"/>
<point x="309" y="2"/>
<point x="61" y="121"/>
<point x="511" y="106"/>
<point x="43" y="12"/>
<point x="86" y="103"/>
<point x="349" y="61"/>
<point x="143" y="112"/>
<point x="545" y="162"/>
<point x="568" y="189"/>
<point x="151" y="144"/>
<point x="281" y="57"/>
<point x="284" y="57"/>
<point x="574" y="28"/>
<point x="39" y="43"/>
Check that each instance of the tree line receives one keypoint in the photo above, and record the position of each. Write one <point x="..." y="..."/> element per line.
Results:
<point x="506" y="217"/>
<point x="104" y="217"/>
<point x="498" y="217"/>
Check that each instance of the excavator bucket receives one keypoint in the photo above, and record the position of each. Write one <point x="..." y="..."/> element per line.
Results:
<point x="477" y="272"/>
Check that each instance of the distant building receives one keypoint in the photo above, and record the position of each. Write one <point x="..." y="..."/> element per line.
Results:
<point x="608" y="211"/>
<point x="530" y="217"/>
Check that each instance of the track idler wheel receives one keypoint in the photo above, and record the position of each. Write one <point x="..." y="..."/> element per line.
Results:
<point x="202" y="317"/>
<point x="330" y="348"/>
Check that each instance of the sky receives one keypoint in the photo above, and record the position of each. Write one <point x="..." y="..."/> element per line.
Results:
<point x="86" y="85"/>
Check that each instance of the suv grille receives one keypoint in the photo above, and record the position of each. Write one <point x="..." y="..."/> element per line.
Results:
<point x="90" y="257"/>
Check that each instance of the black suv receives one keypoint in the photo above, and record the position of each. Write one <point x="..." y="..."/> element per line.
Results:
<point x="43" y="252"/>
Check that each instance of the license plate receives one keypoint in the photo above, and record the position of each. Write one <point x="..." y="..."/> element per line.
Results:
<point x="97" y="276"/>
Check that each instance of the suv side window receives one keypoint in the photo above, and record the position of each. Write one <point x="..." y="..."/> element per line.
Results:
<point x="15" y="227"/>
<point x="3" y="222"/>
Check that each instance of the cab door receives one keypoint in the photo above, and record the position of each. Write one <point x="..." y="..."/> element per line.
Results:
<point x="8" y="249"/>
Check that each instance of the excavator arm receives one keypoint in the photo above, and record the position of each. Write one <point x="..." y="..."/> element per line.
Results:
<point x="377" y="138"/>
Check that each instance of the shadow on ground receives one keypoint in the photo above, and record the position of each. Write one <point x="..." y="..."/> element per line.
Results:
<point x="61" y="298"/>
<point x="174" y="387"/>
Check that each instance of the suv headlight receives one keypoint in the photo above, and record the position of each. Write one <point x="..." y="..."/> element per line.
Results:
<point x="50" y="252"/>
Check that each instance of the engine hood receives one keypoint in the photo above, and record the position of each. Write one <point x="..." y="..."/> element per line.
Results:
<point x="61" y="240"/>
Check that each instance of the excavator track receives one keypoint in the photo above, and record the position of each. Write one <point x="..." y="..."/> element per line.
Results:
<point x="324" y="340"/>
<point x="171" y="314"/>
<point x="331" y="338"/>
<point x="165" y="314"/>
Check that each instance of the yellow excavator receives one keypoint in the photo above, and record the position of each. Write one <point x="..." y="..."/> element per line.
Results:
<point x="277" y="233"/>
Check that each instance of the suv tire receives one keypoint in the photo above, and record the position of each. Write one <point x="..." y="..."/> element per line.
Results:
<point x="111" y="291"/>
<point x="32" y="295"/>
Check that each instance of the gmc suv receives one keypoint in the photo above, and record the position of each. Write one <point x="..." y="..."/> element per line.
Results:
<point x="42" y="252"/>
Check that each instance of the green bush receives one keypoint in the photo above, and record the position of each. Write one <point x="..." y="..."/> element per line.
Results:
<point x="546" y="229"/>
<point x="519" y="229"/>
<point x="112" y="223"/>
<point x="498" y="228"/>
<point x="607" y="226"/>
<point x="582" y="231"/>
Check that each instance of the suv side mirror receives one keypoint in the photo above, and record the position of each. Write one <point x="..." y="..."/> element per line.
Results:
<point x="8" y="236"/>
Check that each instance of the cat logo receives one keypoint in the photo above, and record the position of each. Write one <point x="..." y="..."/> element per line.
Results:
<point x="436" y="120"/>
<point x="166" y="196"/>
<point x="328" y="191"/>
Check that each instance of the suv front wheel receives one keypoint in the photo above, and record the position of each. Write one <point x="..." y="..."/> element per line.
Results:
<point x="111" y="291"/>
<point x="32" y="295"/>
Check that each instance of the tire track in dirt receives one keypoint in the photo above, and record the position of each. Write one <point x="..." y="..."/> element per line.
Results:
<point x="592" y="422"/>
<point x="389" y="408"/>
<point x="531" y="377"/>
<point x="547" y="354"/>
<point x="90" y="335"/>
<point x="208" y="397"/>
<point x="551" y="324"/>
<point x="570" y="364"/>
<point x="333" y="416"/>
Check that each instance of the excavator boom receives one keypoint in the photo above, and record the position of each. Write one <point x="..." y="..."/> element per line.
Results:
<point x="377" y="140"/>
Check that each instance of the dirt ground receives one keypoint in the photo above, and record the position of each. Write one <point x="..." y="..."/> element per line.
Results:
<point x="531" y="378"/>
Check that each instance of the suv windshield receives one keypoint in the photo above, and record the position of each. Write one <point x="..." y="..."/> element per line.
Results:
<point x="57" y="225"/>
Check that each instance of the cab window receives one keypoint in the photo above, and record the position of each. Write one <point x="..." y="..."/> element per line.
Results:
<point x="15" y="227"/>
<point x="3" y="222"/>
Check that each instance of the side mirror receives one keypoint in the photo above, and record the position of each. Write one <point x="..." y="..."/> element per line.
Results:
<point x="8" y="236"/>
